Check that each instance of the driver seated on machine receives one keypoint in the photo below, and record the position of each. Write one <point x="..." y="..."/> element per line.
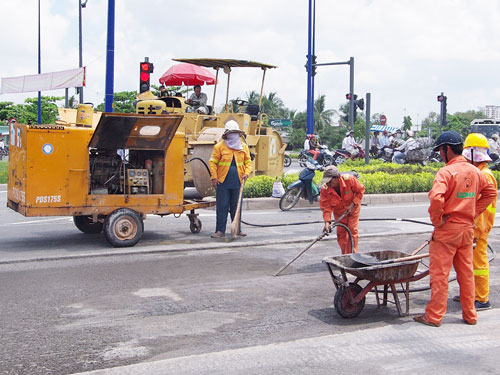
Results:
<point x="198" y="100"/>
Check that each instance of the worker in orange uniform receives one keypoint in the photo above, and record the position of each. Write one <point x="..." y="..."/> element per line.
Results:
<point x="230" y="166"/>
<point x="341" y="194"/>
<point x="476" y="152"/>
<point x="459" y="193"/>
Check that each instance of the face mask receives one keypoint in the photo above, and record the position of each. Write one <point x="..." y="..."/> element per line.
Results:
<point x="233" y="141"/>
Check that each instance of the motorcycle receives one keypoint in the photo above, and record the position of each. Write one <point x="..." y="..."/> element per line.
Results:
<point x="347" y="155"/>
<point x="304" y="187"/>
<point x="329" y="158"/>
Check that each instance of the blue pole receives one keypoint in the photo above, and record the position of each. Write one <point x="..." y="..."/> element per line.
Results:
<point x="39" y="67"/>
<point x="110" y="57"/>
<point x="310" y="99"/>
<point x="313" y="53"/>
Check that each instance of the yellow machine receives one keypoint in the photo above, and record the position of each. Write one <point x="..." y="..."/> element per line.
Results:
<point x="107" y="178"/>
<point x="202" y="131"/>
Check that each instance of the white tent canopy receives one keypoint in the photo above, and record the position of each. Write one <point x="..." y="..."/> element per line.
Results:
<point x="44" y="82"/>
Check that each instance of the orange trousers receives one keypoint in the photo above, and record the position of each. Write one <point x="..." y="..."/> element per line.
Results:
<point x="481" y="270"/>
<point x="447" y="248"/>
<point x="351" y="222"/>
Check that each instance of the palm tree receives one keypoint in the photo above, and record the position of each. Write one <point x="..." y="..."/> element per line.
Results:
<point x="322" y="116"/>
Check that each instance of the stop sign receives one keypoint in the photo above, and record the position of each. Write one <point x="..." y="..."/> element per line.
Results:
<point x="383" y="120"/>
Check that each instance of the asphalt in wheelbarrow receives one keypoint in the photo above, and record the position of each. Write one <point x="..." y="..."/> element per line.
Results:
<point x="381" y="273"/>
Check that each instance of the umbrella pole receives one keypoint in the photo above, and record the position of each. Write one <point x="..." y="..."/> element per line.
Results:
<point x="262" y="86"/>
<point x="227" y="89"/>
<point x="215" y="88"/>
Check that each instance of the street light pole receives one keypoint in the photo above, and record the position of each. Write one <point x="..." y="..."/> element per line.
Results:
<point x="81" y="4"/>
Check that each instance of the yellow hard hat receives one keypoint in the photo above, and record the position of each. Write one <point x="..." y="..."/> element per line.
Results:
<point x="476" y="140"/>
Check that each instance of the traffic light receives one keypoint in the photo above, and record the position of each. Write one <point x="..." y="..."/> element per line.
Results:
<point x="348" y="96"/>
<point x="360" y="104"/>
<point x="442" y="99"/>
<point x="313" y="65"/>
<point x="145" y="70"/>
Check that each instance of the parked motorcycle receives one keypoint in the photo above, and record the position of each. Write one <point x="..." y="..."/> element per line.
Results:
<point x="304" y="187"/>
<point x="347" y="155"/>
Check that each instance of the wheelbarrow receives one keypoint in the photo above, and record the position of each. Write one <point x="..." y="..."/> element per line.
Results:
<point x="350" y="297"/>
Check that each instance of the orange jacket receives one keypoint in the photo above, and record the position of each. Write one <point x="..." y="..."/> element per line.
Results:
<point x="484" y="222"/>
<point x="351" y="190"/>
<point x="461" y="191"/>
<point x="221" y="159"/>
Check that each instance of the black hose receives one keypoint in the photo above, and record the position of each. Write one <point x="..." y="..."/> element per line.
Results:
<point x="200" y="159"/>
<point x="411" y="290"/>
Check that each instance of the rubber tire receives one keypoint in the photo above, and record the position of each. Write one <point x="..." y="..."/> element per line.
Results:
<point x="117" y="229"/>
<point x="341" y="301"/>
<point x="287" y="161"/>
<point x="328" y="160"/>
<point x="195" y="226"/>
<point x="302" y="161"/>
<point x="290" y="198"/>
<point x="85" y="225"/>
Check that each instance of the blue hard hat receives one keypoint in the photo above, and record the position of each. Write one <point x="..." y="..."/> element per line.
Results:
<point x="449" y="137"/>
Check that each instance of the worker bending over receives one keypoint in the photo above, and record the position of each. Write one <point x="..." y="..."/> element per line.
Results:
<point x="459" y="193"/>
<point x="476" y="152"/>
<point x="341" y="194"/>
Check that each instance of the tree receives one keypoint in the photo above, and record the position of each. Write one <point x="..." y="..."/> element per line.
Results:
<point x="322" y="116"/>
<point x="407" y="124"/>
<point x="123" y="102"/>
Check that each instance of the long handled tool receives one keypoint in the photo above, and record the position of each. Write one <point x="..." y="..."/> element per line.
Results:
<point x="235" y="224"/>
<point x="371" y="260"/>
<point x="311" y="244"/>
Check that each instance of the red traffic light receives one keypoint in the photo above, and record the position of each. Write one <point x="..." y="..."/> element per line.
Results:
<point x="348" y="96"/>
<point x="145" y="67"/>
<point x="441" y="98"/>
<point x="144" y="76"/>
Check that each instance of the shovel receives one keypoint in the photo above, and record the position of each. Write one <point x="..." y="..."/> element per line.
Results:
<point x="235" y="224"/>
<point x="371" y="260"/>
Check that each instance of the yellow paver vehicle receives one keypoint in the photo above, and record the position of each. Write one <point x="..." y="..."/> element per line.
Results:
<point x="202" y="131"/>
<point x="108" y="177"/>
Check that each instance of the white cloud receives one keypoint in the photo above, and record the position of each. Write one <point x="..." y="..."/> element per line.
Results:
<point x="406" y="52"/>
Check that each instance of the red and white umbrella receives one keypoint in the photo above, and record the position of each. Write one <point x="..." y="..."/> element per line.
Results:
<point x="188" y="75"/>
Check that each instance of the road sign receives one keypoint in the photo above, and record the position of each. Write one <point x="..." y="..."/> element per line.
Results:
<point x="383" y="120"/>
<point x="280" y="122"/>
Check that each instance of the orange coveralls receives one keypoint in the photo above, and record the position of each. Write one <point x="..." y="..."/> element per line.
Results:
<point x="351" y="190"/>
<point x="462" y="192"/>
<point x="482" y="228"/>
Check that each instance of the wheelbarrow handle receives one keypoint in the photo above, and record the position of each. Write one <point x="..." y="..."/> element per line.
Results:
<point x="420" y="247"/>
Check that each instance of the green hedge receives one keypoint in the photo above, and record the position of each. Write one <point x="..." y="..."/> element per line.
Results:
<point x="4" y="167"/>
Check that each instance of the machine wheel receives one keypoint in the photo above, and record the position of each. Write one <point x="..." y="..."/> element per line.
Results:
<point x="343" y="304"/>
<point x="290" y="198"/>
<point x="287" y="161"/>
<point x="195" y="226"/>
<point x="85" y="225"/>
<point x="123" y="227"/>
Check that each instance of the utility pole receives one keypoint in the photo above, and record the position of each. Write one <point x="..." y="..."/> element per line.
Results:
<point x="110" y="57"/>
<point x="351" y="91"/>
<point x="80" y="6"/>
<point x="367" y="131"/>
<point x="309" y="66"/>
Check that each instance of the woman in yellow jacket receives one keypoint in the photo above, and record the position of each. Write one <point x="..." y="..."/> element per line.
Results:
<point x="230" y="165"/>
<point x="476" y="152"/>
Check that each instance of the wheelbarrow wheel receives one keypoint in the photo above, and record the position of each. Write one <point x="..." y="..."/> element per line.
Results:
<point x="123" y="227"/>
<point x="85" y="224"/>
<point x="343" y="301"/>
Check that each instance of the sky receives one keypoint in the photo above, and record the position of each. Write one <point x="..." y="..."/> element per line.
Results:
<point x="406" y="52"/>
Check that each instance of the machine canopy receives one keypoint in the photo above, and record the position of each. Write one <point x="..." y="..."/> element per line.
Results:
<point x="130" y="131"/>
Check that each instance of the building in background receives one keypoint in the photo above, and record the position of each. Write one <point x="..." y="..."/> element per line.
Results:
<point x="492" y="111"/>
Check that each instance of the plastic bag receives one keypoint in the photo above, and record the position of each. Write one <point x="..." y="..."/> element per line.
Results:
<point x="278" y="189"/>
